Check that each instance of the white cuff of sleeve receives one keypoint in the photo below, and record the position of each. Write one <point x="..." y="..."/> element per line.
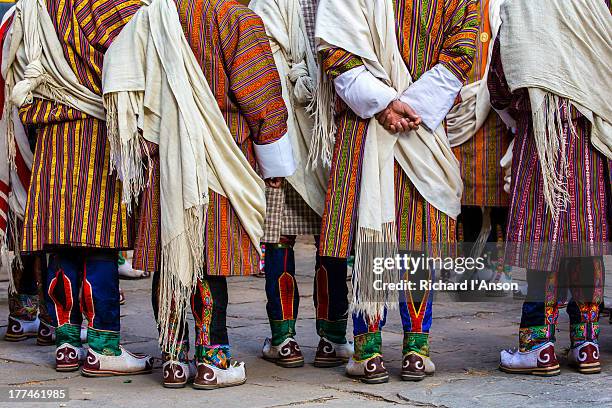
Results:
<point x="505" y="116"/>
<point x="365" y="94"/>
<point x="275" y="159"/>
<point x="433" y="95"/>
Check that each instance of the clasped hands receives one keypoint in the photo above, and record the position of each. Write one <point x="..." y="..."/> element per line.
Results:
<point x="398" y="117"/>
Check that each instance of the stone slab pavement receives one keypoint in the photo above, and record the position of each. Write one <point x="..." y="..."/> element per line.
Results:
<point x="465" y="346"/>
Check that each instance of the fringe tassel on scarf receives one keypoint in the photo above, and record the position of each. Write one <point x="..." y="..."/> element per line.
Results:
<point x="127" y="156"/>
<point x="322" y="108"/>
<point x="548" y="132"/>
<point x="185" y="250"/>
<point x="174" y="294"/>
<point x="370" y="245"/>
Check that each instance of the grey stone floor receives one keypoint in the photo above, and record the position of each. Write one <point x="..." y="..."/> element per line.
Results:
<point x="466" y="341"/>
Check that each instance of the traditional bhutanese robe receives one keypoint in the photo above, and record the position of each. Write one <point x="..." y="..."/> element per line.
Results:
<point x="73" y="199"/>
<point x="585" y="219"/>
<point x="479" y="158"/>
<point x="429" y="32"/>
<point x="231" y="45"/>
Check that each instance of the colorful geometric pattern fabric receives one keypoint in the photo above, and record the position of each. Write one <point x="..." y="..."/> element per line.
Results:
<point x="147" y="242"/>
<point x="437" y="31"/>
<point x="230" y="43"/>
<point x="85" y="282"/>
<point x="588" y="181"/>
<point x="218" y="356"/>
<point x="73" y="199"/>
<point x="545" y="293"/>
<point x="428" y="32"/>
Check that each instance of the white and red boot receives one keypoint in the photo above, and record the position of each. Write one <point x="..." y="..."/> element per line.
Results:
<point x="100" y="365"/>
<point x="585" y="358"/>
<point x="540" y="361"/>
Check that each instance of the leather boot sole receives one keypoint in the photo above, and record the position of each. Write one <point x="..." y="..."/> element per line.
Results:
<point x="413" y="376"/>
<point x="326" y="362"/>
<point x="18" y="337"/>
<point x="377" y="379"/>
<point x="215" y="386"/>
<point x="40" y="342"/>
<point x="111" y="373"/>
<point x="589" y="368"/>
<point x="67" y="368"/>
<point x="543" y="372"/>
<point x="287" y="363"/>
<point x="174" y="385"/>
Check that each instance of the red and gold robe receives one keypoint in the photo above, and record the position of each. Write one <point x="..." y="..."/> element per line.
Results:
<point x="230" y="43"/>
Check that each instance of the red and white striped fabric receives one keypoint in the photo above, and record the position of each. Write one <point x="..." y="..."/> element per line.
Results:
<point x="15" y="171"/>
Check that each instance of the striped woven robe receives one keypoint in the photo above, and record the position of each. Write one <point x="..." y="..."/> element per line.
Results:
<point x="531" y="228"/>
<point x="483" y="177"/>
<point x="231" y="45"/>
<point x="73" y="199"/>
<point x="428" y="32"/>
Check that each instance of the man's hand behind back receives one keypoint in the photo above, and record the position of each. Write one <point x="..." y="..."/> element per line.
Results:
<point x="398" y="117"/>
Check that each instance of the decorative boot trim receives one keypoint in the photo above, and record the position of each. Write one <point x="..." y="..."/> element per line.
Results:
<point x="581" y="333"/>
<point x="416" y="342"/>
<point x="282" y="330"/>
<point x="334" y="331"/>
<point x="23" y="307"/>
<point x="217" y="355"/>
<point x="368" y="345"/>
<point x="105" y="342"/>
<point x="530" y="338"/>
<point x="68" y="333"/>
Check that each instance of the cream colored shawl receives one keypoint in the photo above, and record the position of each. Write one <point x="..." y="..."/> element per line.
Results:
<point x="366" y="28"/>
<point x="298" y="72"/>
<point x="154" y="90"/>
<point x="561" y="51"/>
<point x="466" y="118"/>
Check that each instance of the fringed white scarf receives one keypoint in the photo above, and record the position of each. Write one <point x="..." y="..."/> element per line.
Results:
<point x="154" y="90"/>
<point x="466" y="118"/>
<point x="366" y="28"/>
<point x="561" y="51"/>
<point x="297" y="69"/>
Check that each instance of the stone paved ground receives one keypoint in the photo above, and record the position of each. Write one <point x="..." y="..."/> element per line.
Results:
<point x="465" y="346"/>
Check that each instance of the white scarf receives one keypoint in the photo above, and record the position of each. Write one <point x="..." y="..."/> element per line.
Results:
<point x="561" y="51"/>
<point x="466" y="118"/>
<point x="366" y="28"/>
<point x="297" y="69"/>
<point x="36" y="66"/>
<point x="155" y="90"/>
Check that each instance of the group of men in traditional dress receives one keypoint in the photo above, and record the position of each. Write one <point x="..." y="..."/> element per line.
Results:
<point x="198" y="131"/>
